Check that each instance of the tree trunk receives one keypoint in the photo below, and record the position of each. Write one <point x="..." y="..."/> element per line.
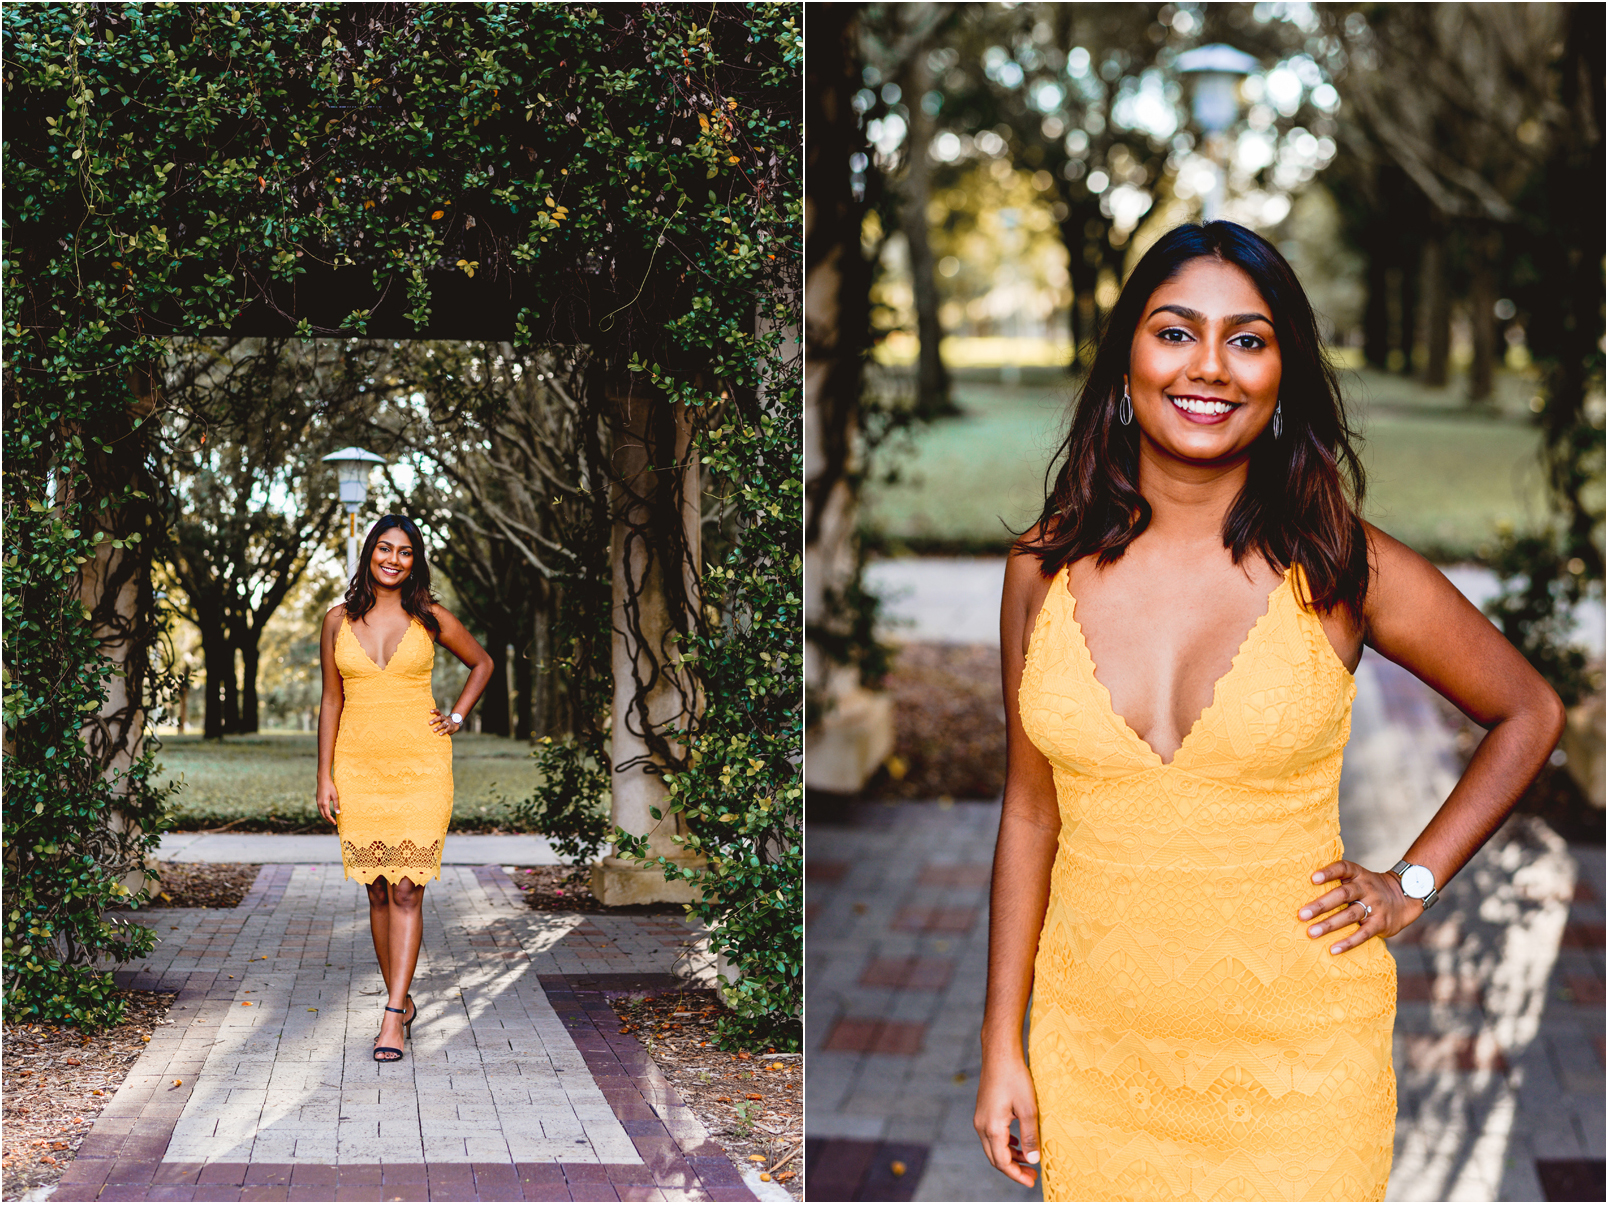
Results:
<point x="524" y="704"/>
<point x="1376" y="310"/>
<point x="1438" y="310"/>
<point x="249" y="656"/>
<point x="1411" y="273"/>
<point x="1085" y="278"/>
<point x="1482" y="315"/>
<point x="231" y="693"/>
<point x="217" y="662"/>
<point x="932" y="379"/>
<point x="494" y="703"/>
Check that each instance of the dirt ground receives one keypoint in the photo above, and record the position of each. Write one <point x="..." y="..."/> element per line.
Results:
<point x="949" y="719"/>
<point x="202" y="884"/>
<point x="56" y="1079"/>
<point x="555" y="889"/>
<point x="751" y="1102"/>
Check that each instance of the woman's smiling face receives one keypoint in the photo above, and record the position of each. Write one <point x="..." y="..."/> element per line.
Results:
<point x="1204" y="368"/>
<point x="393" y="558"/>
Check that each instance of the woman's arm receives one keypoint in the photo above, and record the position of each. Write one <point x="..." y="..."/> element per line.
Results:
<point x="1029" y="825"/>
<point x="1419" y="620"/>
<point x="329" y="714"/>
<point x="455" y="637"/>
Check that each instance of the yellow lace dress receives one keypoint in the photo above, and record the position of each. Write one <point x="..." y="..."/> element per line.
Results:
<point x="393" y="773"/>
<point x="1188" y="1040"/>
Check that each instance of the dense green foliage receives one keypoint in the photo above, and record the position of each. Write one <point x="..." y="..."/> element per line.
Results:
<point x="568" y="805"/>
<point x="622" y="177"/>
<point x="741" y="791"/>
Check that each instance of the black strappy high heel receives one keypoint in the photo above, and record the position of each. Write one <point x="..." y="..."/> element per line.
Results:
<point x="407" y="1030"/>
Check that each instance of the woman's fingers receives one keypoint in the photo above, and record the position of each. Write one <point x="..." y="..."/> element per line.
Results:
<point x="1330" y="900"/>
<point x="1366" y="930"/>
<point x="1335" y="870"/>
<point x="1004" y="1152"/>
<point x="1029" y="1144"/>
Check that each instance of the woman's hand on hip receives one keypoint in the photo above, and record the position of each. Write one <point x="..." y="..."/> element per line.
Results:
<point x="329" y="803"/>
<point x="1005" y="1093"/>
<point x="442" y="725"/>
<point x="1373" y="901"/>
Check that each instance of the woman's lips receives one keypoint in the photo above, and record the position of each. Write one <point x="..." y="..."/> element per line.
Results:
<point x="1203" y="410"/>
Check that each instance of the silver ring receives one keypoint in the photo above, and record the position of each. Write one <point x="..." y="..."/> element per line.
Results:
<point x="1367" y="911"/>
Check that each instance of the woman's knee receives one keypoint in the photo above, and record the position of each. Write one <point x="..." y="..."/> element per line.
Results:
<point x="405" y="894"/>
<point x="379" y="892"/>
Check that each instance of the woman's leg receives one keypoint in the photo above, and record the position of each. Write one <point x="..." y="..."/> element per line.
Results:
<point x="379" y="894"/>
<point x="406" y="925"/>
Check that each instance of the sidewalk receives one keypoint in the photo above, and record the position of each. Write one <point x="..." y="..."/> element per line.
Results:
<point x="517" y="1085"/>
<point x="1498" y="1050"/>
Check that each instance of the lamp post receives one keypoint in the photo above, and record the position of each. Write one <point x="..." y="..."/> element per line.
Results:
<point x="1217" y="70"/>
<point x="353" y="466"/>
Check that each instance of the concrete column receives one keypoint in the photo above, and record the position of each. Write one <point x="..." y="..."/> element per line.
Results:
<point x="642" y="650"/>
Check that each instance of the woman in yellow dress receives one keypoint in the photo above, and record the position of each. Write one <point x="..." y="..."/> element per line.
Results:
<point x="1211" y="1010"/>
<point x="385" y="750"/>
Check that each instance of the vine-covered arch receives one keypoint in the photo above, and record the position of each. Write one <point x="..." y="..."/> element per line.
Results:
<point x="621" y="178"/>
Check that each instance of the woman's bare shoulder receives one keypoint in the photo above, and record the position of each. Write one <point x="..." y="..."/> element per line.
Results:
<point x="334" y="615"/>
<point x="1395" y="570"/>
<point x="1026" y="587"/>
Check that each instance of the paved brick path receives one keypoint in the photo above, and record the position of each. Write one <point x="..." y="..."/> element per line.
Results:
<point x="1498" y="1051"/>
<point x="517" y="1085"/>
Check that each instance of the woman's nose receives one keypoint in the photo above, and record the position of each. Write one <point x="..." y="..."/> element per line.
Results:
<point x="1207" y="363"/>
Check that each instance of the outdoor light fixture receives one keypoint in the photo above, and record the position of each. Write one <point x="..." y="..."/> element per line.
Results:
<point x="353" y="466"/>
<point x="1217" y="70"/>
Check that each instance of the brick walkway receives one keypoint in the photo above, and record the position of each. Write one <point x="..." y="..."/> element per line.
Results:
<point x="517" y="1085"/>
<point x="1498" y="1051"/>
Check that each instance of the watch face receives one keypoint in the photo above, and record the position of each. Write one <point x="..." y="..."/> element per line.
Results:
<point x="1417" y="881"/>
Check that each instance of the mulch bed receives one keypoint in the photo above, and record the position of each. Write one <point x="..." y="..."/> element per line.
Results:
<point x="557" y="889"/>
<point x="203" y="884"/>
<point x="949" y="721"/>
<point x="55" y="1081"/>
<point x="751" y="1102"/>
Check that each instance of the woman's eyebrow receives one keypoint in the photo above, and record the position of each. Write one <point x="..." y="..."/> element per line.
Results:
<point x="1183" y="311"/>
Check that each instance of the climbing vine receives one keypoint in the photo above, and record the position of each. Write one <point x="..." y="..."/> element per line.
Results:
<point x="623" y="178"/>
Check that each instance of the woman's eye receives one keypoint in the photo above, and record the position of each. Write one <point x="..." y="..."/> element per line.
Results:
<point x="1249" y="342"/>
<point x="1174" y="335"/>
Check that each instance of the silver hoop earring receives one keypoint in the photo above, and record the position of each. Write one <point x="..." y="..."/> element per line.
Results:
<point x="1125" y="408"/>
<point x="1278" y="419"/>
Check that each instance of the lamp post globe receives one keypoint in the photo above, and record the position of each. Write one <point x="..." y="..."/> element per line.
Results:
<point x="352" y="468"/>
<point x="1215" y="73"/>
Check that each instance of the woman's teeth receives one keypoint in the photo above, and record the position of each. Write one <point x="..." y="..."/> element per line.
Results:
<point x="1200" y="405"/>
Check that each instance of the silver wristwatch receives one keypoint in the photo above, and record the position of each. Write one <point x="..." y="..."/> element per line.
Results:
<point x="1417" y="882"/>
<point x="456" y="719"/>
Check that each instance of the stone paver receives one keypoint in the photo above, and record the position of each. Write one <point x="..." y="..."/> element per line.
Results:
<point x="1499" y="1052"/>
<point x="517" y="1084"/>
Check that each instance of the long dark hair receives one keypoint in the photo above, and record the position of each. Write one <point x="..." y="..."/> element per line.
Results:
<point x="416" y="596"/>
<point x="1301" y="497"/>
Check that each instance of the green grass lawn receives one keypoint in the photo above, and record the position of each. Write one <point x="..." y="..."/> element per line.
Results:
<point x="265" y="782"/>
<point x="1441" y="474"/>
